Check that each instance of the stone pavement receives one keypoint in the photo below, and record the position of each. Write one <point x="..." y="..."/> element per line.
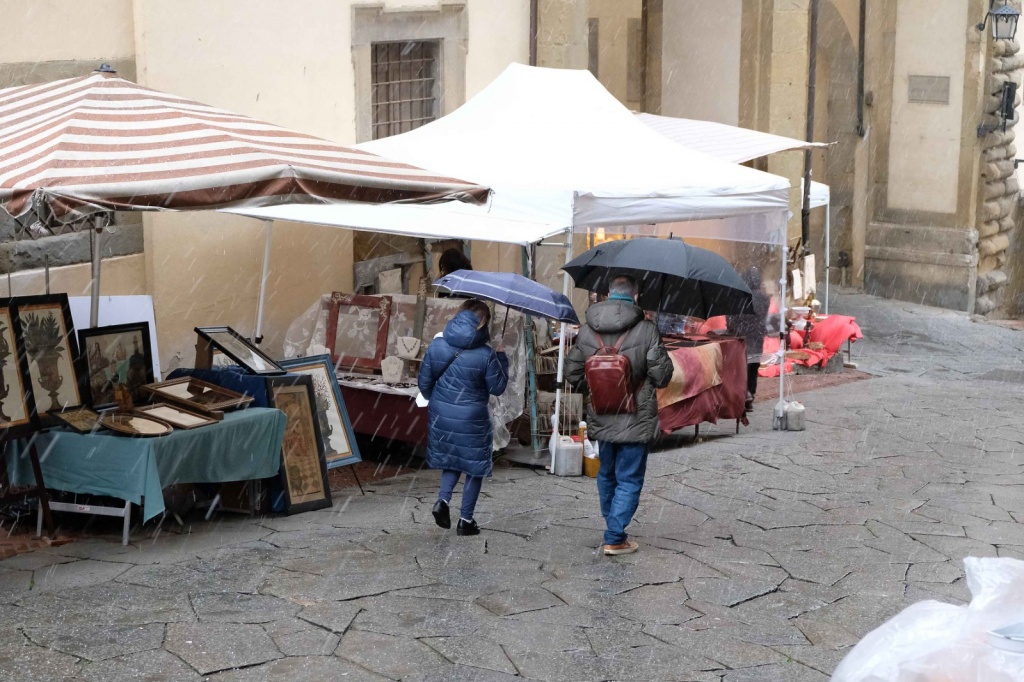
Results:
<point x="764" y="557"/>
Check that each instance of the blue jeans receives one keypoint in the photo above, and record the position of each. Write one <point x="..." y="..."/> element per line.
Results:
<point x="619" y="481"/>
<point x="470" y="491"/>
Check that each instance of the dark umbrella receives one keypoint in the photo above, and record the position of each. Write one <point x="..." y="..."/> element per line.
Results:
<point x="510" y="290"/>
<point x="672" y="276"/>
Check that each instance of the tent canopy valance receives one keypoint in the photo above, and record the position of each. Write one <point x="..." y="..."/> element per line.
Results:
<point x="75" y="147"/>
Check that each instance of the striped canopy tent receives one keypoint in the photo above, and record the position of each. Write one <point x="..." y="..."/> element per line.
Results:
<point x="74" y="148"/>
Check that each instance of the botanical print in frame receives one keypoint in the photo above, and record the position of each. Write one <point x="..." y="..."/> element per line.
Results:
<point x="48" y="351"/>
<point x="303" y="467"/>
<point x="16" y="408"/>
<point x="118" y="354"/>
<point x="357" y="330"/>
<point x="236" y="347"/>
<point x="335" y="427"/>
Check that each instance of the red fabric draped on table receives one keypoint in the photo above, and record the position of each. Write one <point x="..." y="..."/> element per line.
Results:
<point x="722" y="401"/>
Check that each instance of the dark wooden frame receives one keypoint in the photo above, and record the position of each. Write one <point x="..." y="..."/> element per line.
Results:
<point x="145" y="411"/>
<point x="231" y="399"/>
<point x="84" y="370"/>
<point x="30" y="424"/>
<point x="108" y="421"/>
<point x="205" y="334"/>
<point x="20" y="304"/>
<point x="304" y="385"/>
<point x="324" y="361"/>
<point x="381" y="303"/>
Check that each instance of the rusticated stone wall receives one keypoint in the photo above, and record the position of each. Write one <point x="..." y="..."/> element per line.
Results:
<point x="1000" y="190"/>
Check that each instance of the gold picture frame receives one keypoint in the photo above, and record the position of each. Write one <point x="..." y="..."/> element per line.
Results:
<point x="175" y="415"/>
<point x="197" y="394"/>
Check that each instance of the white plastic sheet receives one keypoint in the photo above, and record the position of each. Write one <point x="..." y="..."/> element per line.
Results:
<point x="936" y="642"/>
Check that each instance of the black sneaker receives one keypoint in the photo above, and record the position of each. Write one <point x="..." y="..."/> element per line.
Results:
<point x="441" y="515"/>
<point x="467" y="528"/>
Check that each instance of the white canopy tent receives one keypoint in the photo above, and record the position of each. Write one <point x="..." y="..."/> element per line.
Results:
<point x="561" y="154"/>
<point x="739" y="145"/>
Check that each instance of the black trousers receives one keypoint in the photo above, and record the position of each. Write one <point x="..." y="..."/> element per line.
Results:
<point x="752" y="368"/>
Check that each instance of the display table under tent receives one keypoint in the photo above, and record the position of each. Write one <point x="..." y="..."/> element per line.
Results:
<point x="245" y="446"/>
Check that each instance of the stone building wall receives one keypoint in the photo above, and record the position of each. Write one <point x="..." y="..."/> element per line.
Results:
<point x="1000" y="190"/>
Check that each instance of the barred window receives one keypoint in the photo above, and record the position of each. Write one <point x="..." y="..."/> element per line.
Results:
<point x="405" y="86"/>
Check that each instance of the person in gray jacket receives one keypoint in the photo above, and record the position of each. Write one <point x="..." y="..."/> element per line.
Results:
<point x="624" y="438"/>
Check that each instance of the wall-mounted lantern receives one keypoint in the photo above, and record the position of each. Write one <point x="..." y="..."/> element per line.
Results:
<point x="1004" y="20"/>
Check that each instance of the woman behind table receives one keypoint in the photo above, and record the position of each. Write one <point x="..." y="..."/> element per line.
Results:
<point x="458" y="375"/>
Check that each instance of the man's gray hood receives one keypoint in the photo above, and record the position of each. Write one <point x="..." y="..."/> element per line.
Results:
<point x="610" y="317"/>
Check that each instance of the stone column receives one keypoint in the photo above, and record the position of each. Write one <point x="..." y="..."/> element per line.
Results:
<point x="562" y="34"/>
<point x="1000" y="190"/>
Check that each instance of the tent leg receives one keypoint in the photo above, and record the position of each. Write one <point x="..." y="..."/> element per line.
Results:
<point x="269" y="226"/>
<point x="531" y="367"/>
<point x="782" y="330"/>
<point x="828" y="248"/>
<point x="561" y="339"/>
<point x="97" y="254"/>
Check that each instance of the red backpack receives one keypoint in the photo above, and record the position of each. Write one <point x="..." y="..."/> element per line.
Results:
<point x="609" y="377"/>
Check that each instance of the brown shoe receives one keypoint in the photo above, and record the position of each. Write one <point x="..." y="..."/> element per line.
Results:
<point x="627" y="547"/>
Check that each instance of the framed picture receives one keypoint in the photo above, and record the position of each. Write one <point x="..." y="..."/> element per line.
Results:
<point x="17" y="408"/>
<point x="112" y="356"/>
<point x="238" y="348"/>
<point x="339" y="440"/>
<point x="135" y="425"/>
<point x="197" y="394"/>
<point x="303" y="466"/>
<point x="357" y="330"/>
<point x="82" y="420"/>
<point x="48" y="351"/>
<point x="178" y="417"/>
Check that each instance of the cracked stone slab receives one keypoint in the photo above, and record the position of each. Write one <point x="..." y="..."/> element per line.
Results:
<point x="935" y="573"/>
<point x="211" y="647"/>
<point x="715" y="646"/>
<point x="77" y="574"/>
<point x="310" y="642"/>
<point x="394" y="657"/>
<point x="31" y="663"/>
<point x="779" y="672"/>
<point x="728" y="592"/>
<point x="827" y="635"/>
<point x="472" y="651"/>
<point x="96" y="642"/>
<point x="460" y="673"/>
<point x="304" y="668"/>
<point x="333" y="616"/>
<point x="661" y="662"/>
<point x="225" y="607"/>
<point x="152" y="666"/>
<point x="510" y="602"/>
<point x="415" y="618"/>
<point x="538" y="637"/>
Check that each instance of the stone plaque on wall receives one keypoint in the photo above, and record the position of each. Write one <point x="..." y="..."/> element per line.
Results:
<point x="929" y="89"/>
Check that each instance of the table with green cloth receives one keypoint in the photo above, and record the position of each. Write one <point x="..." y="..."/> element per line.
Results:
<point x="246" y="445"/>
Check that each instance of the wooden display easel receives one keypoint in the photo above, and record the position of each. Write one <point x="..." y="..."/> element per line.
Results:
<point x="39" y="489"/>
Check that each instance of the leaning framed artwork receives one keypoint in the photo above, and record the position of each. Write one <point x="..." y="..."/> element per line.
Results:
<point x="238" y="348"/>
<point x="50" y="351"/>
<point x="303" y="466"/>
<point x="16" y="405"/>
<point x="357" y="330"/>
<point x="115" y="355"/>
<point x="336" y="431"/>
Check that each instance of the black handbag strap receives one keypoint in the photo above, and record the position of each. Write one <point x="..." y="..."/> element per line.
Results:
<point x="448" y="365"/>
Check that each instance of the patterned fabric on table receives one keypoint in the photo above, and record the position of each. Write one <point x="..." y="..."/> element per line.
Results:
<point x="696" y="370"/>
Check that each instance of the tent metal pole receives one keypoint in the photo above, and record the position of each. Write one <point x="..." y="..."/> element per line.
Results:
<point x="782" y="326"/>
<point x="97" y="253"/>
<point x="561" y="338"/>
<point x="531" y="366"/>
<point x="269" y="226"/>
<point x="828" y="249"/>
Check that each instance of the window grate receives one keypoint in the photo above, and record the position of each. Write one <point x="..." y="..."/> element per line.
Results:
<point x="404" y="84"/>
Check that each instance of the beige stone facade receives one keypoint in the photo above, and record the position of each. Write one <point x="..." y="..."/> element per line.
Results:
<point x="923" y="208"/>
<point x="302" y="65"/>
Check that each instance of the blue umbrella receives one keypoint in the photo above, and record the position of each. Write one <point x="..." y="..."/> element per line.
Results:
<point x="510" y="290"/>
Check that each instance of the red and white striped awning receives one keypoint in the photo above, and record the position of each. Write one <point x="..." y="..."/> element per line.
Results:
<point x="79" y="146"/>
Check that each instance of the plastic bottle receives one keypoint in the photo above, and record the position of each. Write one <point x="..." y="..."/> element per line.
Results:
<point x="582" y="433"/>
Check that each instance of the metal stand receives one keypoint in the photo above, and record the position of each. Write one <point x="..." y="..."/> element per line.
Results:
<point x="73" y="508"/>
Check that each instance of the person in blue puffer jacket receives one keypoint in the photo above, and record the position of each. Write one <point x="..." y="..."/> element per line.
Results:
<point x="458" y="375"/>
